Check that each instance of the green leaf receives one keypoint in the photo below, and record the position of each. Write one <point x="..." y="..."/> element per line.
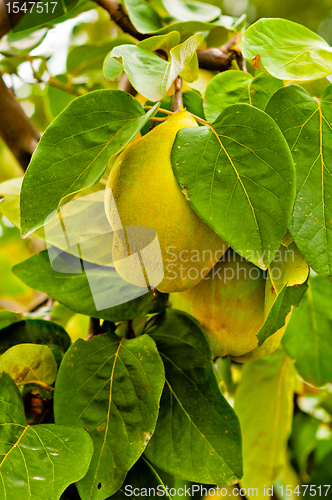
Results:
<point x="165" y="42"/>
<point x="85" y="59"/>
<point x="8" y="318"/>
<point x="288" y="267"/>
<point x="142" y="476"/>
<point x="33" y="331"/>
<point x="287" y="50"/>
<point x="303" y="440"/>
<point x="73" y="289"/>
<point x="112" y="388"/>
<point x="148" y="73"/>
<point x="9" y="199"/>
<point x="143" y="16"/>
<point x="197" y="435"/>
<point x="27" y="363"/>
<point x="239" y="178"/>
<point x="305" y="123"/>
<point x="288" y="296"/>
<point x="264" y="405"/>
<point x="192" y="10"/>
<point x="22" y="44"/>
<point x="307" y="339"/>
<point x="74" y="151"/>
<point x="39" y="458"/>
<point x="232" y="87"/>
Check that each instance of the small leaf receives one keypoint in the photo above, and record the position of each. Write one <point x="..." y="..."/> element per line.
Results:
<point x="143" y="16"/>
<point x="112" y="388"/>
<point x="138" y="62"/>
<point x="28" y="363"/>
<point x="307" y="339"/>
<point x="39" y="458"/>
<point x="232" y="87"/>
<point x="281" y="306"/>
<point x="287" y="50"/>
<point x="264" y="405"/>
<point x="192" y="10"/>
<point x="197" y="435"/>
<point x="288" y="267"/>
<point x="75" y="149"/>
<point x="165" y="42"/>
<point x="73" y="289"/>
<point x="33" y="331"/>
<point x="7" y="318"/>
<point x="305" y="123"/>
<point x="239" y="178"/>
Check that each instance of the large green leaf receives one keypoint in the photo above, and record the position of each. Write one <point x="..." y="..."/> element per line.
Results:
<point x="305" y="123"/>
<point x="33" y="331"/>
<point x="27" y="363"/>
<point x="287" y="50"/>
<point x="148" y="73"/>
<point x="75" y="149"/>
<point x="240" y="179"/>
<point x="112" y="388"/>
<point x="264" y="405"/>
<point x="197" y="435"/>
<point x="37" y="461"/>
<point x="73" y="289"/>
<point x="232" y="87"/>
<point x="308" y="336"/>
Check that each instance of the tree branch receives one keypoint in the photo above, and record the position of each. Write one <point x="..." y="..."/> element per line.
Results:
<point x="94" y="328"/>
<point x="120" y="18"/>
<point x="16" y="128"/>
<point x="177" y="103"/>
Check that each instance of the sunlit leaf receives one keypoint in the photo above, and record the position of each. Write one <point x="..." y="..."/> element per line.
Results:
<point x="287" y="50"/>
<point x="27" y="363"/>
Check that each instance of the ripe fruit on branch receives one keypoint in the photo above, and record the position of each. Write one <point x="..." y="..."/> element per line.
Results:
<point x="231" y="304"/>
<point x="145" y="193"/>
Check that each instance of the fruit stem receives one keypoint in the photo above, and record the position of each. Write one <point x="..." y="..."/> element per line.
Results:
<point x="156" y="119"/>
<point x="177" y="103"/>
<point x="161" y="110"/>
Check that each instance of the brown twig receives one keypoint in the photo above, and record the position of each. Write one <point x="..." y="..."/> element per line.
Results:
<point x="120" y="18"/>
<point x="177" y="103"/>
<point x="16" y="128"/>
<point x="94" y="328"/>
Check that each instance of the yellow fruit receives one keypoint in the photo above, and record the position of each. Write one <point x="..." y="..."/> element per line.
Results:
<point x="77" y="327"/>
<point x="272" y="342"/>
<point x="144" y="193"/>
<point x="229" y="304"/>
